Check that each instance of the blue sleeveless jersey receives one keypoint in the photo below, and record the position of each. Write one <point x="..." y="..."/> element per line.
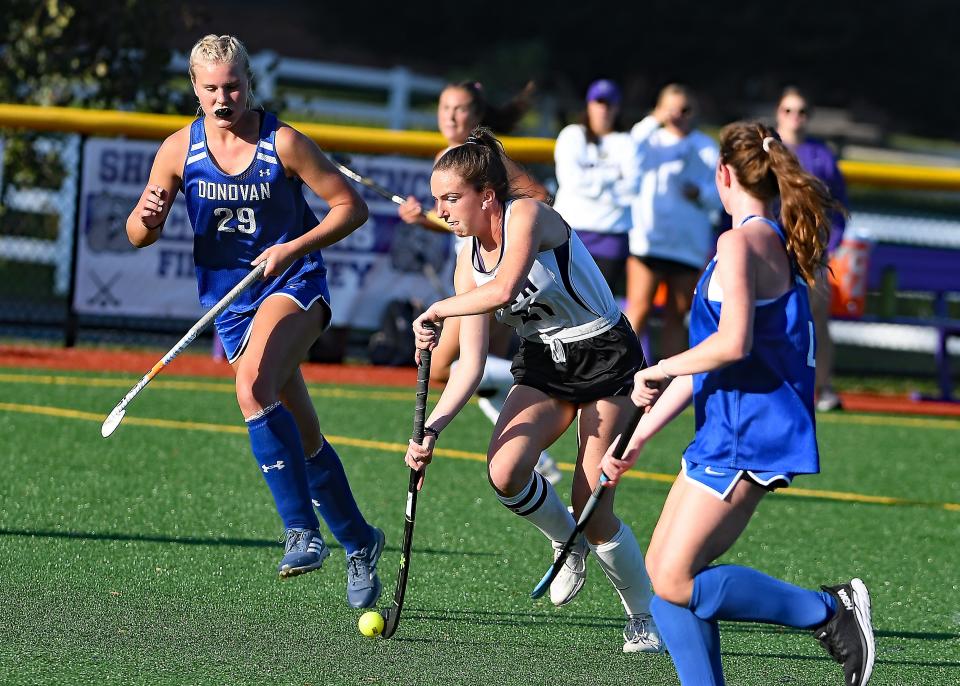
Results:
<point x="757" y="413"/>
<point x="235" y="218"/>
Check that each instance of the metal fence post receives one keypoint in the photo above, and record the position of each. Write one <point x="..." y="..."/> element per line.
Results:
<point x="70" y="324"/>
<point x="399" y="103"/>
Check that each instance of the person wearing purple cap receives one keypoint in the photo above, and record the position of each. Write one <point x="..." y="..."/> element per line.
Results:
<point x="597" y="179"/>
<point x="673" y="213"/>
<point x="793" y="113"/>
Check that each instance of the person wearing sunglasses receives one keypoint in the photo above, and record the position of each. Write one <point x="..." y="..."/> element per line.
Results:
<point x="672" y="214"/>
<point x="793" y="114"/>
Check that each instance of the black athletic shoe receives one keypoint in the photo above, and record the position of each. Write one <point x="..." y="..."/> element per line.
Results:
<point x="848" y="635"/>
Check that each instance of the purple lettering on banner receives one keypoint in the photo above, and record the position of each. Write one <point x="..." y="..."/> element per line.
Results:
<point x="362" y="269"/>
<point x="108" y="166"/>
<point x="176" y="264"/>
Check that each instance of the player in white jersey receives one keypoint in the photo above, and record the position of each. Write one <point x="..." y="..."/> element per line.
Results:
<point x="576" y="362"/>
<point x="462" y="107"/>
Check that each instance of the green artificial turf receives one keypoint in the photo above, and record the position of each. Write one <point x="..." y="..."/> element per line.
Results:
<point x="150" y="557"/>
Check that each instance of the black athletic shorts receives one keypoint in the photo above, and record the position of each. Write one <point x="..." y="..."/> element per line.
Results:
<point x="594" y="368"/>
<point x="665" y="267"/>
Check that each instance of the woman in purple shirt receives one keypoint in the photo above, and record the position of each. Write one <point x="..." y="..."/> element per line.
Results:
<point x="793" y="113"/>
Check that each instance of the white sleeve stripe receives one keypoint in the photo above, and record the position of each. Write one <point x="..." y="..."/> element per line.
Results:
<point x="267" y="158"/>
<point x="196" y="158"/>
<point x="266" y="145"/>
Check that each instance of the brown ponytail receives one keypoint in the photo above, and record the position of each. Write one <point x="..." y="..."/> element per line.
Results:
<point x="766" y="168"/>
<point x="479" y="162"/>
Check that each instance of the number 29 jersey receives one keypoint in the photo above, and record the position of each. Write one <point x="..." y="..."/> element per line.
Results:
<point x="236" y="217"/>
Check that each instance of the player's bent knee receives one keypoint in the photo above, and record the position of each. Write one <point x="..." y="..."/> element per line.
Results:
<point x="254" y="393"/>
<point x="507" y="480"/>
<point x="671" y="585"/>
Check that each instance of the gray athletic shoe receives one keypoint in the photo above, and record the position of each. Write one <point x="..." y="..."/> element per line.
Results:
<point x="363" y="583"/>
<point x="641" y="635"/>
<point x="303" y="551"/>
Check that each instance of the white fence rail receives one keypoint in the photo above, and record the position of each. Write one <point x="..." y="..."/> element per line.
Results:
<point x="398" y="85"/>
<point x="60" y="203"/>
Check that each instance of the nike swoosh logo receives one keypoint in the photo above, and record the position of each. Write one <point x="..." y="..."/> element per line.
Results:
<point x="713" y="472"/>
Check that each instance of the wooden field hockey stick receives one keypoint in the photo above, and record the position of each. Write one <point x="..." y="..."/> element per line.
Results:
<point x="113" y="419"/>
<point x="436" y="222"/>
<point x="589" y="508"/>
<point x="391" y="616"/>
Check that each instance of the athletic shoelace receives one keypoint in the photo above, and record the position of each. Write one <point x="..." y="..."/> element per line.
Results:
<point x="294" y="540"/>
<point x="357" y="568"/>
<point x="636" y="629"/>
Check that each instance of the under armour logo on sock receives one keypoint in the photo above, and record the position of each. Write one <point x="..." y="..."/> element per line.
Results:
<point x="267" y="467"/>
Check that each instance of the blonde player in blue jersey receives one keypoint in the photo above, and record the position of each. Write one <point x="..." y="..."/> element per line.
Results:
<point x="241" y="171"/>
<point x="576" y="361"/>
<point x="750" y="375"/>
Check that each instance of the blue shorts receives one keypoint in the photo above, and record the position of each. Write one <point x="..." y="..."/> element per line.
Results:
<point x="719" y="481"/>
<point x="234" y="329"/>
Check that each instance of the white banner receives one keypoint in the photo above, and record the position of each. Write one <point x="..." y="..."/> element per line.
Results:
<point x="381" y="261"/>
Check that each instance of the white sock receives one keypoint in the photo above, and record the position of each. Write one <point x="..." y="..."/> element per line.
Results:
<point x="539" y="504"/>
<point x="622" y="561"/>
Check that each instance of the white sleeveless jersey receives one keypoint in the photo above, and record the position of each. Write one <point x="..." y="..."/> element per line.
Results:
<point x="565" y="297"/>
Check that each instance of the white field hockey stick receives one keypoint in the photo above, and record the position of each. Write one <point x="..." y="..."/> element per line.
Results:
<point x="113" y="419"/>
<point x="588" y="509"/>
<point x="436" y="222"/>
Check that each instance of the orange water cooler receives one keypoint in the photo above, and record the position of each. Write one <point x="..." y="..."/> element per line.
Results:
<point x="848" y="277"/>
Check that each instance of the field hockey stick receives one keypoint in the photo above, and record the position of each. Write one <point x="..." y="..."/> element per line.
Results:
<point x="391" y="616"/>
<point x="113" y="419"/>
<point x="436" y="222"/>
<point x="588" y="509"/>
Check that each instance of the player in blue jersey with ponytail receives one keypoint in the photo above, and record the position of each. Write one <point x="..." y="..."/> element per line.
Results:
<point x="750" y="375"/>
<point x="241" y="171"/>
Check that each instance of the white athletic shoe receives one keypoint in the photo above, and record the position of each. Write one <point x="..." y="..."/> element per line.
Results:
<point x="828" y="401"/>
<point x="570" y="578"/>
<point x="548" y="468"/>
<point x="641" y="635"/>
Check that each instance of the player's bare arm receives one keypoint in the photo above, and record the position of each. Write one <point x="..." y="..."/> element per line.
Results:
<point x="303" y="158"/>
<point x="146" y="220"/>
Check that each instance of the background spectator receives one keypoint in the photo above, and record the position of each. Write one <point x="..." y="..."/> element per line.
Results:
<point x="597" y="177"/>
<point x="462" y="107"/>
<point x="793" y="114"/>
<point x="672" y="214"/>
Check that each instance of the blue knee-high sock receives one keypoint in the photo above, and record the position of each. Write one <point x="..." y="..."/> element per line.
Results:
<point x="746" y="595"/>
<point x="276" y="445"/>
<point x="693" y="643"/>
<point x="333" y="498"/>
